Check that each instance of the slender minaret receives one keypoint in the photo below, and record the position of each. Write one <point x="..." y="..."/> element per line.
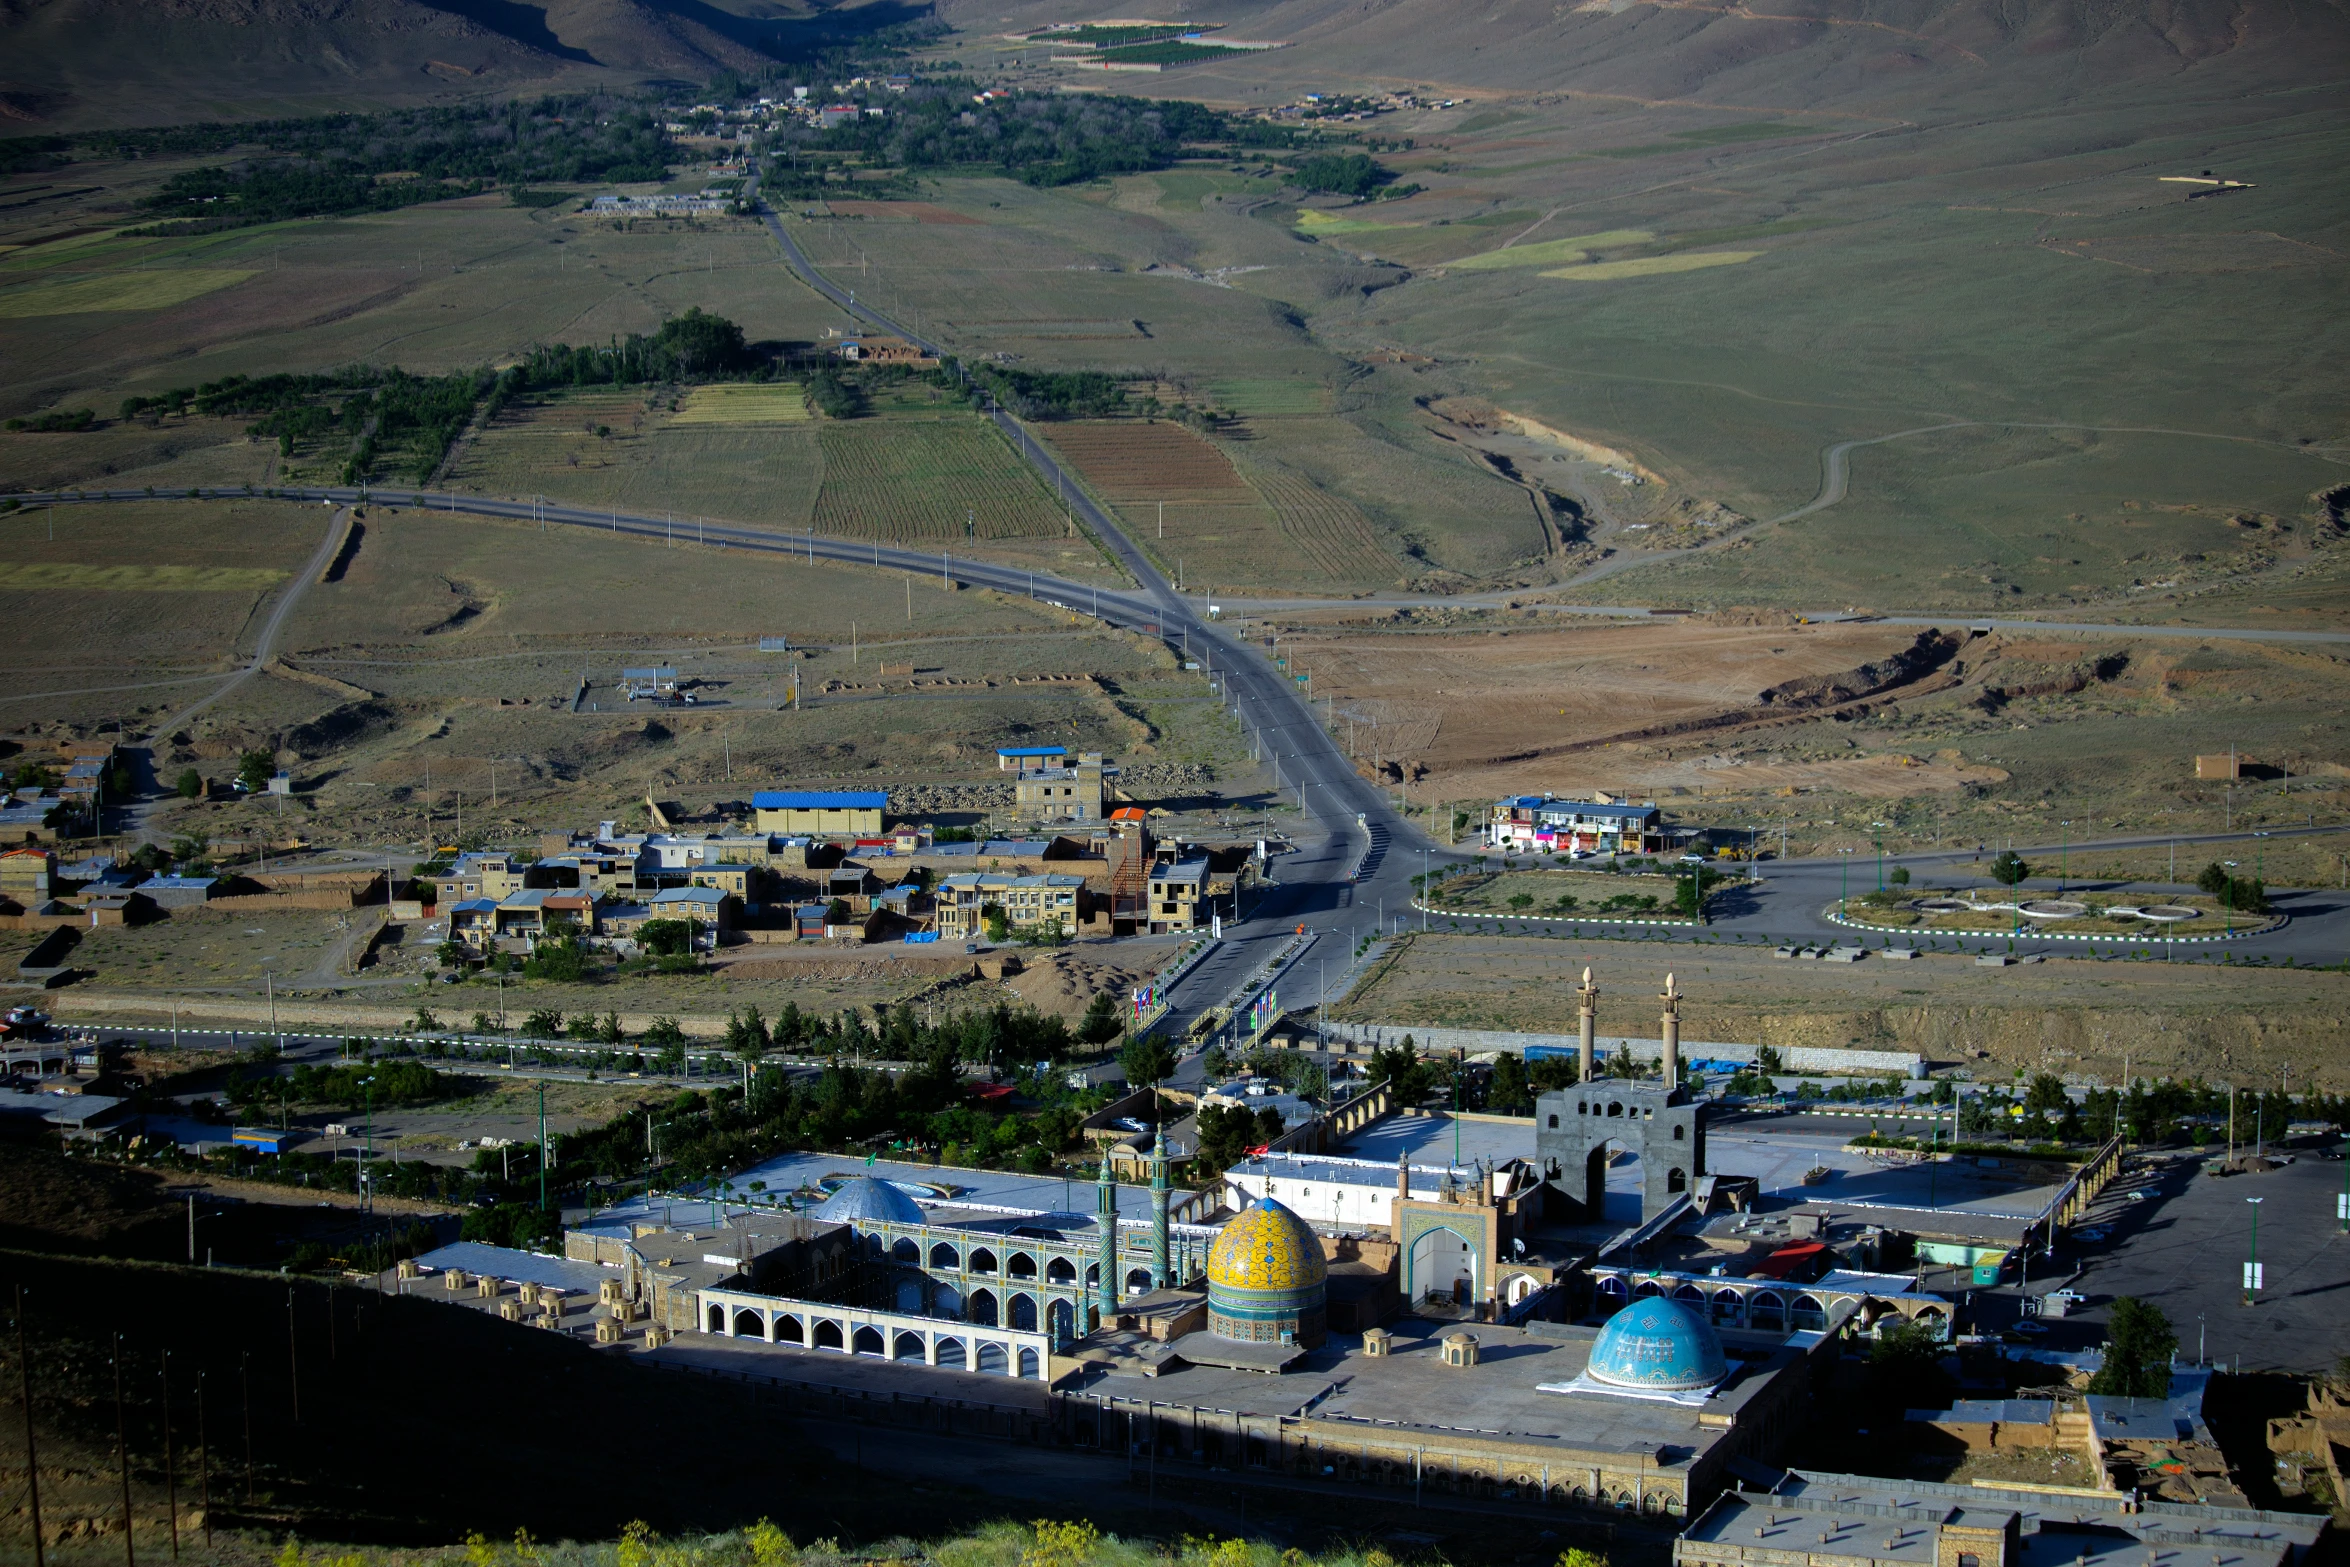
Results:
<point x="1589" y="1052"/>
<point x="1105" y="1291"/>
<point x="1672" y="1022"/>
<point x="1159" y="1208"/>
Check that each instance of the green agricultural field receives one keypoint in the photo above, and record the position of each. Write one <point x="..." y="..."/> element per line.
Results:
<point x="913" y="480"/>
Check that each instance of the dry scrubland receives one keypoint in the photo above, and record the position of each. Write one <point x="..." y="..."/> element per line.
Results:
<point x="2007" y="740"/>
<point x="2066" y="1015"/>
<point x="451" y="647"/>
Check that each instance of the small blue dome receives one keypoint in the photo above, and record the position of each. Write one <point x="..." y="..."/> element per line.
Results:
<point x="1657" y="1345"/>
<point x="865" y="1200"/>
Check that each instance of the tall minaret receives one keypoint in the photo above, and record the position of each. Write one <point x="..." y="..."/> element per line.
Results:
<point x="1672" y="1022"/>
<point x="1589" y="1052"/>
<point x="1105" y="1292"/>
<point x="1159" y="1208"/>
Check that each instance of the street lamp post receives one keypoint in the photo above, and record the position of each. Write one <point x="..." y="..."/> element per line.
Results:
<point x="2064" y="849"/>
<point x="1844" y="896"/>
<point x="2252" y="1258"/>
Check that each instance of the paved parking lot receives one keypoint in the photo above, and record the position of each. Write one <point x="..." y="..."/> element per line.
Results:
<point x="2185" y="1251"/>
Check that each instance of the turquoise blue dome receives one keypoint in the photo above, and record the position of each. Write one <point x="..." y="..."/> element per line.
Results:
<point x="1657" y="1345"/>
<point x="864" y="1199"/>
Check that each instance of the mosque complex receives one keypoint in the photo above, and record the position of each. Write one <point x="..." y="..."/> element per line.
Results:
<point x="1482" y="1329"/>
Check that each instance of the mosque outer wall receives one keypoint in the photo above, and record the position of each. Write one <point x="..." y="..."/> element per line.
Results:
<point x="1446" y="1464"/>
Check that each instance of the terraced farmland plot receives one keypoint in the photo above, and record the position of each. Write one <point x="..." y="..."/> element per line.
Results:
<point x="1126" y="461"/>
<point x="745" y="402"/>
<point x="1272" y="528"/>
<point x="900" y="480"/>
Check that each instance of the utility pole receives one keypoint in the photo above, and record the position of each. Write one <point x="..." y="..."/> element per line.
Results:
<point x="32" y="1462"/>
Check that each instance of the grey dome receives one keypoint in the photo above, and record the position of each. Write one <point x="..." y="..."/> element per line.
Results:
<point x="866" y="1200"/>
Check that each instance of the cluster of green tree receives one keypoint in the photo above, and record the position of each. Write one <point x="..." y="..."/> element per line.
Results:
<point x="62" y="420"/>
<point x="524" y="1226"/>
<point x="1047" y="394"/>
<point x="924" y="1111"/>
<point x="343" y="163"/>
<point x="203" y="201"/>
<point x="384" y="412"/>
<point x="1340" y="174"/>
<point x="696" y="346"/>
<point x="347" y="1086"/>
<point x="1043" y="140"/>
<point x="834" y="395"/>
<point x="999" y="1037"/>
<point x="1226" y="1135"/>
<point x="366" y="1256"/>
<point x="27" y="154"/>
<point x="2244" y="894"/>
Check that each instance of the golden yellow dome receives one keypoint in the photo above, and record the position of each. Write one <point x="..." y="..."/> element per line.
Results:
<point x="1266" y="1248"/>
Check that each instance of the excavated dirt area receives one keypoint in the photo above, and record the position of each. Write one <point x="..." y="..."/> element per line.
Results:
<point x="1553" y="708"/>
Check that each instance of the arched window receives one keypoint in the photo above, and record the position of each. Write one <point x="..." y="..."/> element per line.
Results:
<point x="950" y="1353"/>
<point x="983" y="1308"/>
<point x="1646" y="1288"/>
<point x="1808" y="1313"/>
<point x="1028" y="1365"/>
<point x="1690" y="1293"/>
<point x="1554" y="1121"/>
<point x="993" y="1361"/>
<point x="1728" y="1307"/>
<point x="1021" y="1266"/>
<point x="1138" y="1281"/>
<point x="828" y="1335"/>
<point x="1093" y="1275"/>
<point x="1680" y="1133"/>
<point x="906" y="1251"/>
<point x="749" y="1324"/>
<point x="717" y="1319"/>
<point x="943" y="1256"/>
<point x="1614" y="1110"/>
<point x="983" y="1261"/>
<point x="1023" y="1313"/>
<point x="1766" y="1310"/>
<point x="867" y="1341"/>
<point x="1675" y="1180"/>
<point x="789" y="1331"/>
<point x="1060" y="1271"/>
<point x="909" y="1347"/>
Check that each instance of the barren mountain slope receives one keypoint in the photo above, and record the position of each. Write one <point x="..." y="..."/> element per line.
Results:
<point x="1776" y="53"/>
<point x="74" y="64"/>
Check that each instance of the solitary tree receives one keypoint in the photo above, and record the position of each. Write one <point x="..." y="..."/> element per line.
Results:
<point x="2139" y="1344"/>
<point x="2010" y="869"/>
<point x="190" y="785"/>
<point x="1146" y="1060"/>
<point x="1101" y="1023"/>
<point x="1508" y="1093"/>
